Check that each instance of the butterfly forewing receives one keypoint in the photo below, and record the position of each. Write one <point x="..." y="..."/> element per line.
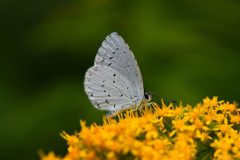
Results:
<point x="116" y="54"/>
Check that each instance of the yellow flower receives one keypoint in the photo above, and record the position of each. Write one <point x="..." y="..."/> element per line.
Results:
<point x="219" y="117"/>
<point x="202" y="135"/>
<point x="71" y="139"/>
<point x="198" y="124"/>
<point x="207" y="102"/>
<point x="235" y="119"/>
<point x="179" y="124"/>
<point x="224" y="128"/>
<point x="195" y="112"/>
<point x="210" y="116"/>
<point x="228" y="107"/>
<point x="49" y="156"/>
<point x="160" y="132"/>
<point x="222" y="146"/>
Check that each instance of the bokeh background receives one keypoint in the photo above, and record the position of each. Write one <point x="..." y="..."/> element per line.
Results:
<point x="186" y="50"/>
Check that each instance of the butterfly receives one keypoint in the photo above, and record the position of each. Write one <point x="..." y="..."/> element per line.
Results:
<point x="114" y="83"/>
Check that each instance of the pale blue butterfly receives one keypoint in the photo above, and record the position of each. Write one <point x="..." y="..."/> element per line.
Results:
<point x="115" y="82"/>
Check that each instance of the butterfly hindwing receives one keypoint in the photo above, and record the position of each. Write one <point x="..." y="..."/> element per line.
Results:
<point x="107" y="89"/>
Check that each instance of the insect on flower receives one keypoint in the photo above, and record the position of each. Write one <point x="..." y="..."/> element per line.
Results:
<point x="114" y="83"/>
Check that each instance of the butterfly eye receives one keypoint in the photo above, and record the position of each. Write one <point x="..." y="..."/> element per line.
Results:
<point x="147" y="96"/>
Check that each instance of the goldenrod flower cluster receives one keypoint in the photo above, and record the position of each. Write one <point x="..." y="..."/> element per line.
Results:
<point x="210" y="130"/>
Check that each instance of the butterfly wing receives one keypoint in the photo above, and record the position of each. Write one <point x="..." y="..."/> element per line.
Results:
<point x="108" y="90"/>
<point x="114" y="83"/>
<point x="115" y="53"/>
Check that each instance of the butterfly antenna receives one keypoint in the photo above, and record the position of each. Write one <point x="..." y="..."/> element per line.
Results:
<point x="151" y="92"/>
<point x="154" y="93"/>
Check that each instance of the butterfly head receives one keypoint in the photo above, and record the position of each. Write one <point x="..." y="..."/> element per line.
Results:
<point x="147" y="96"/>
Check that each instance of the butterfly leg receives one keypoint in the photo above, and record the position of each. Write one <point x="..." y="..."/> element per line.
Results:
<point x="112" y="114"/>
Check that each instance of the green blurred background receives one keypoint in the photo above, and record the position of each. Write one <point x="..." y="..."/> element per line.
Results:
<point x="186" y="50"/>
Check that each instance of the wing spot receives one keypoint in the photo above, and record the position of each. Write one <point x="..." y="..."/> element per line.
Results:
<point x="109" y="64"/>
<point x="121" y="95"/>
<point x="113" y="52"/>
<point x="103" y="81"/>
<point x="110" y="57"/>
<point x="91" y="94"/>
<point x="113" y="81"/>
<point x="116" y="48"/>
<point x="103" y="85"/>
<point x="122" y="107"/>
<point x="109" y="95"/>
<point x="104" y="90"/>
<point x="106" y="101"/>
<point x="114" y="75"/>
<point x="114" y="105"/>
<point x="127" y="87"/>
<point x="124" y="52"/>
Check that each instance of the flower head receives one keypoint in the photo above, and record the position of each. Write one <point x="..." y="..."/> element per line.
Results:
<point x="160" y="132"/>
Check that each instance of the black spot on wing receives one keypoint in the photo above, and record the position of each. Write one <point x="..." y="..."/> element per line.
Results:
<point x="106" y="101"/>
<point x="98" y="105"/>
